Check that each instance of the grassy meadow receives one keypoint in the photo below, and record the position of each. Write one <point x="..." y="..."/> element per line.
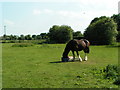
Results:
<point x="39" y="66"/>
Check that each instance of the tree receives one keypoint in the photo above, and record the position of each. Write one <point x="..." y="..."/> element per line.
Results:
<point x="102" y="31"/>
<point x="28" y="37"/>
<point x="60" y="34"/>
<point x="34" y="37"/>
<point x="44" y="35"/>
<point x="53" y="33"/>
<point x="96" y="19"/>
<point x="77" y="35"/>
<point x="116" y="18"/>
<point x="38" y="37"/>
<point x="22" y="37"/>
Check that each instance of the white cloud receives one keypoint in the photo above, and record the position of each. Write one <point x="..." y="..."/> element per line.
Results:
<point x="36" y="12"/>
<point x="8" y="22"/>
<point x="44" y="11"/>
<point x="70" y="14"/>
<point x="48" y="11"/>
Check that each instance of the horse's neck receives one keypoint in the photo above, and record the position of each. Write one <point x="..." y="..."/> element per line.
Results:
<point x="65" y="53"/>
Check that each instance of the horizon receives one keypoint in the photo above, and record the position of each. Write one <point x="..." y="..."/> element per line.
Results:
<point x="33" y="17"/>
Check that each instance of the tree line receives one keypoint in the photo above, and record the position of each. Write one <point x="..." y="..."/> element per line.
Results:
<point x="101" y="31"/>
<point x="25" y="37"/>
<point x="52" y="37"/>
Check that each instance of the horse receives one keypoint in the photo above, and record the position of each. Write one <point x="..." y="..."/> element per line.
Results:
<point x="76" y="45"/>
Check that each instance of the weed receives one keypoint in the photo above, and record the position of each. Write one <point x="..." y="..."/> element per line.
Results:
<point x="111" y="71"/>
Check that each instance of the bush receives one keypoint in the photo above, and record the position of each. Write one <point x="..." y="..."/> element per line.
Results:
<point x="111" y="72"/>
<point x="22" y="45"/>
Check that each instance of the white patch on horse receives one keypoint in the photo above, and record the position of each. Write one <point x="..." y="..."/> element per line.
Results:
<point x="80" y="58"/>
<point x="85" y="57"/>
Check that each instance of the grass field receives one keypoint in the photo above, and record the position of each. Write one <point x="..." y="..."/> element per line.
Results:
<point x="38" y="66"/>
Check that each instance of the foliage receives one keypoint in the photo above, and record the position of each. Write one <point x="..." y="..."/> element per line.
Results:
<point x="22" y="37"/>
<point x="101" y="31"/>
<point x="44" y="35"/>
<point x="96" y="19"/>
<point x="60" y="34"/>
<point x="22" y="45"/>
<point x="77" y="34"/>
<point x="25" y="37"/>
<point x="116" y="18"/>
<point x="111" y="71"/>
<point x="117" y="81"/>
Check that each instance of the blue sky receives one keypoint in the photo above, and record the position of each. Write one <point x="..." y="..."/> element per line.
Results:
<point x="38" y="16"/>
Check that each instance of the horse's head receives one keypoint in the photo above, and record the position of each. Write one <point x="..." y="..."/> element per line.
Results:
<point x="87" y="44"/>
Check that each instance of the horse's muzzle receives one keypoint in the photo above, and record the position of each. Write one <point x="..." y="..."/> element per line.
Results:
<point x="65" y="59"/>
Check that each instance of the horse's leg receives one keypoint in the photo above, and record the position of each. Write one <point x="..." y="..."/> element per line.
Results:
<point x="79" y="56"/>
<point x="85" y="57"/>
<point x="73" y="55"/>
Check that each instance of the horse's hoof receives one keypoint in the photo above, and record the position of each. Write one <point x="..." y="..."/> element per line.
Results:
<point x="80" y="60"/>
<point x="85" y="59"/>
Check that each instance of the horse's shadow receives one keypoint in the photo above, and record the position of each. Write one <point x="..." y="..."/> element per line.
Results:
<point x="56" y="62"/>
<point x="65" y="62"/>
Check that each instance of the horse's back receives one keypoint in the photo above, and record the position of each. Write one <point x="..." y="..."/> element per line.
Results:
<point x="78" y="45"/>
<point x="74" y="45"/>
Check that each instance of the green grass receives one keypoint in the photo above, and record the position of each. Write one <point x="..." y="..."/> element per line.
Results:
<point x="38" y="67"/>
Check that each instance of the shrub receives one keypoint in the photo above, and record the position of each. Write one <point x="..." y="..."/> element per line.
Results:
<point x="111" y="72"/>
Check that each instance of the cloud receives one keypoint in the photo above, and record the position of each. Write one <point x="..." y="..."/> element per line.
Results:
<point x="44" y="11"/>
<point x="69" y="14"/>
<point x="48" y="11"/>
<point x="36" y="12"/>
<point x="72" y="1"/>
<point x="8" y="22"/>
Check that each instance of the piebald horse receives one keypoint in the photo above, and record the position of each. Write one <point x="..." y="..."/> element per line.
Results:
<point x="76" y="45"/>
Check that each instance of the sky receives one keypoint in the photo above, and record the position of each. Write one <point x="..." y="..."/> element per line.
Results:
<point x="38" y="16"/>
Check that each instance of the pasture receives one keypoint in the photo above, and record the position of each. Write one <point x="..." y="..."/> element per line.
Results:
<point x="39" y="66"/>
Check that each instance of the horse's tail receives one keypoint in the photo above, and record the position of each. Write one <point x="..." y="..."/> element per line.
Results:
<point x="87" y="50"/>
